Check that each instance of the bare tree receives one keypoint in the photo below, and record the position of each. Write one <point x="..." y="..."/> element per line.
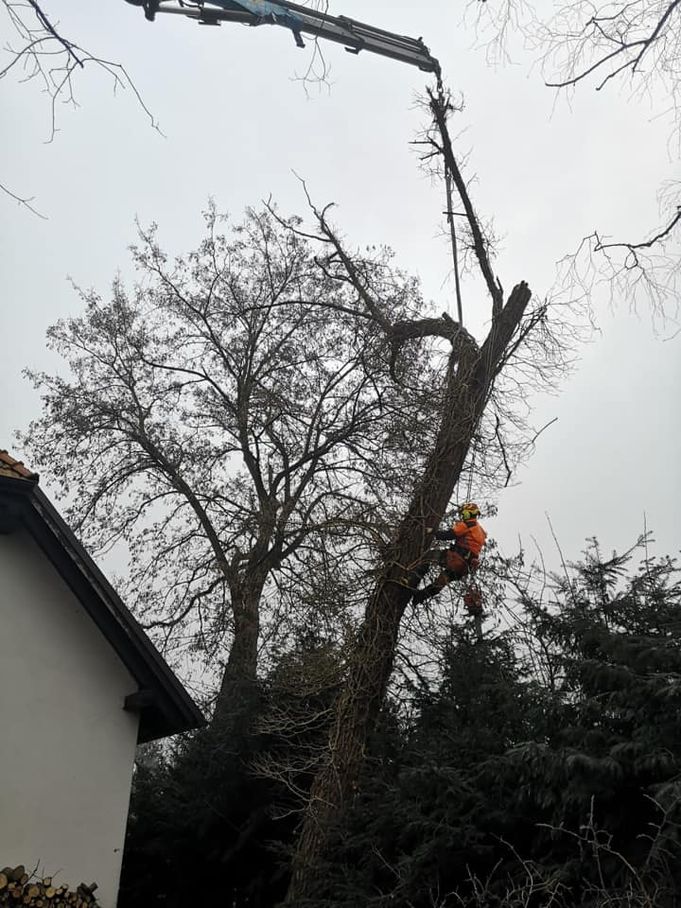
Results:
<point x="634" y="44"/>
<point x="468" y="375"/>
<point x="219" y="420"/>
<point x="637" y="47"/>
<point x="641" y="271"/>
<point x="610" y="45"/>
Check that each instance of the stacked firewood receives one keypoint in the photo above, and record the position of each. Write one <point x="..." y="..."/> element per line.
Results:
<point x="20" y="888"/>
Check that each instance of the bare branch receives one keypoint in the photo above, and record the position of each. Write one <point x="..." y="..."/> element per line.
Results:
<point x="440" y="107"/>
<point x="646" y="244"/>
<point x="610" y="29"/>
<point x="26" y="202"/>
<point x="45" y="55"/>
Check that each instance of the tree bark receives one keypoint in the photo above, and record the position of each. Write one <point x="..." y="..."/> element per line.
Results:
<point x="238" y="685"/>
<point x="239" y="681"/>
<point x="466" y="396"/>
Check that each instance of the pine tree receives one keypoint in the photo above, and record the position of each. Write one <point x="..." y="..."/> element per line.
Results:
<point x="424" y="821"/>
<point x="610" y="767"/>
<point x="507" y="789"/>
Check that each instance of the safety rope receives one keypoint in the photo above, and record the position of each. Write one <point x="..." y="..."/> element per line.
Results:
<point x="442" y="101"/>
<point x="471" y="473"/>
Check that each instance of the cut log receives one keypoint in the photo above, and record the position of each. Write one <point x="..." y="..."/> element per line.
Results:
<point x="18" y="888"/>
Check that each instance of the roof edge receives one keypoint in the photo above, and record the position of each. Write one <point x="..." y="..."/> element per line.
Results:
<point x="11" y="468"/>
<point x="166" y="707"/>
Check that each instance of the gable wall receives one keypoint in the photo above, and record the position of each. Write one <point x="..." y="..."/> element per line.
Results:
<point x="66" y="744"/>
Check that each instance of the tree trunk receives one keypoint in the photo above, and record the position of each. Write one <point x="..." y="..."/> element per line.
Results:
<point x="372" y="662"/>
<point x="238" y="684"/>
<point x="238" y="690"/>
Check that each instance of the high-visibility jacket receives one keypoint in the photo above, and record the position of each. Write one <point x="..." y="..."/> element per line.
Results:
<point x="467" y="535"/>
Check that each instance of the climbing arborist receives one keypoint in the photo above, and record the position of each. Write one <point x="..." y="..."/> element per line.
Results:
<point x="461" y="558"/>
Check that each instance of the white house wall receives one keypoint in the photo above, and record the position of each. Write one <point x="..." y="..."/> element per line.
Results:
<point x="66" y="744"/>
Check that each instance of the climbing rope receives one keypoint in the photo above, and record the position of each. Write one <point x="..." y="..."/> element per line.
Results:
<point x="471" y="472"/>
<point x="449" y="211"/>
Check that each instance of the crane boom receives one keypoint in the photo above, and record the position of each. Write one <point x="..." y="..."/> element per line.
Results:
<point x="300" y="20"/>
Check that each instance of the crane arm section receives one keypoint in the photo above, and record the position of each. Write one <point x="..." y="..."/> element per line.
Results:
<point x="300" y="20"/>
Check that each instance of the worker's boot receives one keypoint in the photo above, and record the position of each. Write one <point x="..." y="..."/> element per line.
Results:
<point x="416" y="574"/>
<point x="427" y="592"/>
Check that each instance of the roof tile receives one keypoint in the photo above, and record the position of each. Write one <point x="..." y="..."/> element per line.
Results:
<point x="14" y="469"/>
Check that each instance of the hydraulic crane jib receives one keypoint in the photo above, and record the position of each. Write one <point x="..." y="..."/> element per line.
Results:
<point x="300" y="20"/>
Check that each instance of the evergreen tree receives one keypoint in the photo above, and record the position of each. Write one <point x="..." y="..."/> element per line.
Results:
<point x="216" y="817"/>
<point x="425" y="821"/>
<point x="613" y="759"/>
<point x="509" y="791"/>
<point x="502" y="787"/>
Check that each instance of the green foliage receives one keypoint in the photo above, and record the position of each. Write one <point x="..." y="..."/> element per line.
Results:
<point x="427" y="823"/>
<point x="614" y="754"/>
<point x="506" y="791"/>
<point x="201" y="824"/>
<point x="215" y="818"/>
<point x="502" y="787"/>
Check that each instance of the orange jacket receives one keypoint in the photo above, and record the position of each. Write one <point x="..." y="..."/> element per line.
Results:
<point x="467" y="535"/>
<point x="470" y="535"/>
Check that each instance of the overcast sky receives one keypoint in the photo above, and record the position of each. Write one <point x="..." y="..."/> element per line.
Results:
<point x="236" y="124"/>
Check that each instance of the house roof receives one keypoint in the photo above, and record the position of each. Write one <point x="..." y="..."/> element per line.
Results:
<point x="14" y="469"/>
<point x="164" y="705"/>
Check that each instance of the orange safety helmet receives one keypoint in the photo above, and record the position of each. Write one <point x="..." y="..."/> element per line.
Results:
<point x="469" y="511"/>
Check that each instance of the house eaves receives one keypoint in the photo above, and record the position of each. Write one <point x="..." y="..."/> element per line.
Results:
<point x="164" y="706"/>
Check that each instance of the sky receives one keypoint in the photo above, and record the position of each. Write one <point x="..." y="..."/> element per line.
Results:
<point x="236" y="125"/>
